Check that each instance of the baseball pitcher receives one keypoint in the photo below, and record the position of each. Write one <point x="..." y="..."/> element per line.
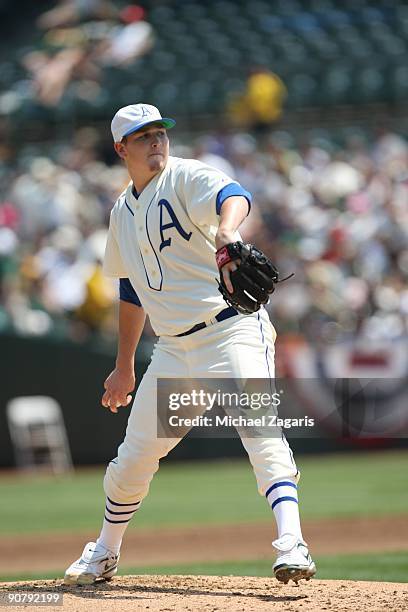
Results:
<point x="172" y="231"/>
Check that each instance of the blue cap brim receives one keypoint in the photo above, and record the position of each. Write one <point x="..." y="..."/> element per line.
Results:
<point x="166" y="122"/>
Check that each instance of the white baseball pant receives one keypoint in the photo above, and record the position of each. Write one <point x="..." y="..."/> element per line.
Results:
<point x="239" y="347"/>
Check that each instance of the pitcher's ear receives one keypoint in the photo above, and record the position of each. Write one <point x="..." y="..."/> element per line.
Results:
<point x="120" y="149"/>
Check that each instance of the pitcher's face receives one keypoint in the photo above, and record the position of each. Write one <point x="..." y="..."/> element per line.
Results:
<point x="146" y="151"/>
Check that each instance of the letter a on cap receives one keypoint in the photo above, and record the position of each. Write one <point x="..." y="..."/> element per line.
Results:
<point x="135" y="116"/>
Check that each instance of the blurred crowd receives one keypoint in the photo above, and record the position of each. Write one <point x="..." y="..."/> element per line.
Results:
<point x="337" y="216"/>
<point x="334" y="214"/>
<point x="73" y="46"/>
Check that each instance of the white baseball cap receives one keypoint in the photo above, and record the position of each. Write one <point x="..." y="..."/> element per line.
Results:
<point x="135" y="116"/>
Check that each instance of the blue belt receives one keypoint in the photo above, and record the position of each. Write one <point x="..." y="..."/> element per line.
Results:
<point x="221" y="316"/>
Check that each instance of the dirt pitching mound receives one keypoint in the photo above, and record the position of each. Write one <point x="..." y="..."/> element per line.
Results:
<point x="217" y="594"/>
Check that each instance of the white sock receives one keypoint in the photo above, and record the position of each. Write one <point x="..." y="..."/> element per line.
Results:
<point x="117" y="518"/>
<point x="282" y="497"/>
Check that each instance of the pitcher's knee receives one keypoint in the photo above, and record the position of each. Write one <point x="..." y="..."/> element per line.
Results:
<point x="272" y="460"/>
<point x="126" y="486"/>
<point x="128" y="476"/>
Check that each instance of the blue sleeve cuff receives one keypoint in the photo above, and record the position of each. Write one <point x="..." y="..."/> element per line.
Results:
<point x="127" y="293"/>
<point x="232" y="189"/>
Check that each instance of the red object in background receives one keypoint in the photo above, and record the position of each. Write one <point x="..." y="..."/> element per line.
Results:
<point x="9" y="215"/>
<point x="132" y="13"/>
<point x="334" y="252"/>
<point x="379" y="360"/>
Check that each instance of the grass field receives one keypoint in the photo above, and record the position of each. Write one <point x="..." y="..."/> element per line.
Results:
<point x="352" y="485"/>
<point x="392" y="567"/>
<point x="212" y="492"/>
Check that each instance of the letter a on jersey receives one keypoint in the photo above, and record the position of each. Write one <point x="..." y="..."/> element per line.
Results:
<point x="164" y="204"/>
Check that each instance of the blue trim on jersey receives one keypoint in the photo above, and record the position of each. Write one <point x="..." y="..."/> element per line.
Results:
<point x="134" y="193"/>
<point x="147" y="276"/>
<point x="282" y="499"/>
<point x="127" y="293"/>
<point x="232" y="189"/>
<point x="129" y="209"/>
<point x="155" y="254"/>
<point x="283" y="483"/>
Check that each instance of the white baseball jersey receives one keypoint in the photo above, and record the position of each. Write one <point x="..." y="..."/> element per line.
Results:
<point x="163" y="240"/>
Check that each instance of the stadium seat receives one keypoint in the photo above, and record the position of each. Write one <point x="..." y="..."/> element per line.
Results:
<point x="368" y="84"/>
<point x="306" y="41"/>
<point x="38" y="433"/>
<point x="398" y="83"/>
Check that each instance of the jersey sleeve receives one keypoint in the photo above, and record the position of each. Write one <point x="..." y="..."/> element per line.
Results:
<point x="127" y="293"/>
<point x="232" y="189"/>
<point x="205" y="189"/>
<point x="112" y="263"/>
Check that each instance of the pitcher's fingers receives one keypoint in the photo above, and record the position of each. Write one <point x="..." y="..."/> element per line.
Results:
<point x="105" y="399"/>
<point x="114" y="404"/>
<point x="227" y="280"/>
<point x="119" y="397"/>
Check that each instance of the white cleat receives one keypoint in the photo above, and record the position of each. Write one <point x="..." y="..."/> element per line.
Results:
<point x="96" y="562"/>
<point x="293" y="561"/>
